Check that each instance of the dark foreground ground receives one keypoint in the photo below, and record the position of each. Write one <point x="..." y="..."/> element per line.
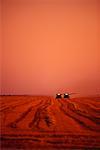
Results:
<point x="41" y="122"/>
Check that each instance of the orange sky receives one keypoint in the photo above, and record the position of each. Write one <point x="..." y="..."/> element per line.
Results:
<point x="50" y="46"/>
<point x="0" y="44"/>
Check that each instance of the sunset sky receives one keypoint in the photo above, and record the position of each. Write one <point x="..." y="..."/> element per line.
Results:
<point x="50" y="46"/>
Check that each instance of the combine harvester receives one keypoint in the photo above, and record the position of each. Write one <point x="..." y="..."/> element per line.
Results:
<point x="64" y="95"/>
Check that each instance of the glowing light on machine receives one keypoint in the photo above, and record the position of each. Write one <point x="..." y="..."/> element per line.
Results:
<point x="66" y="95"/>
<point x="58" y="95"/>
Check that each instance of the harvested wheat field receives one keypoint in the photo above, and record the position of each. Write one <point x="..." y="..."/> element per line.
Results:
<point x="43" y="122"/>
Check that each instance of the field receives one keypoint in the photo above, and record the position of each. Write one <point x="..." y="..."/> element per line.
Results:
<point x="43" y="122"/>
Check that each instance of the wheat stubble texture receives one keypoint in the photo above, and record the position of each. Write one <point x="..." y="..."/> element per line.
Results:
<point x="43" y="122"/>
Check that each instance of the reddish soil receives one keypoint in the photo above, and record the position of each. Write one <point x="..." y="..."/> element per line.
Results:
<point x="41" y="122"/>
